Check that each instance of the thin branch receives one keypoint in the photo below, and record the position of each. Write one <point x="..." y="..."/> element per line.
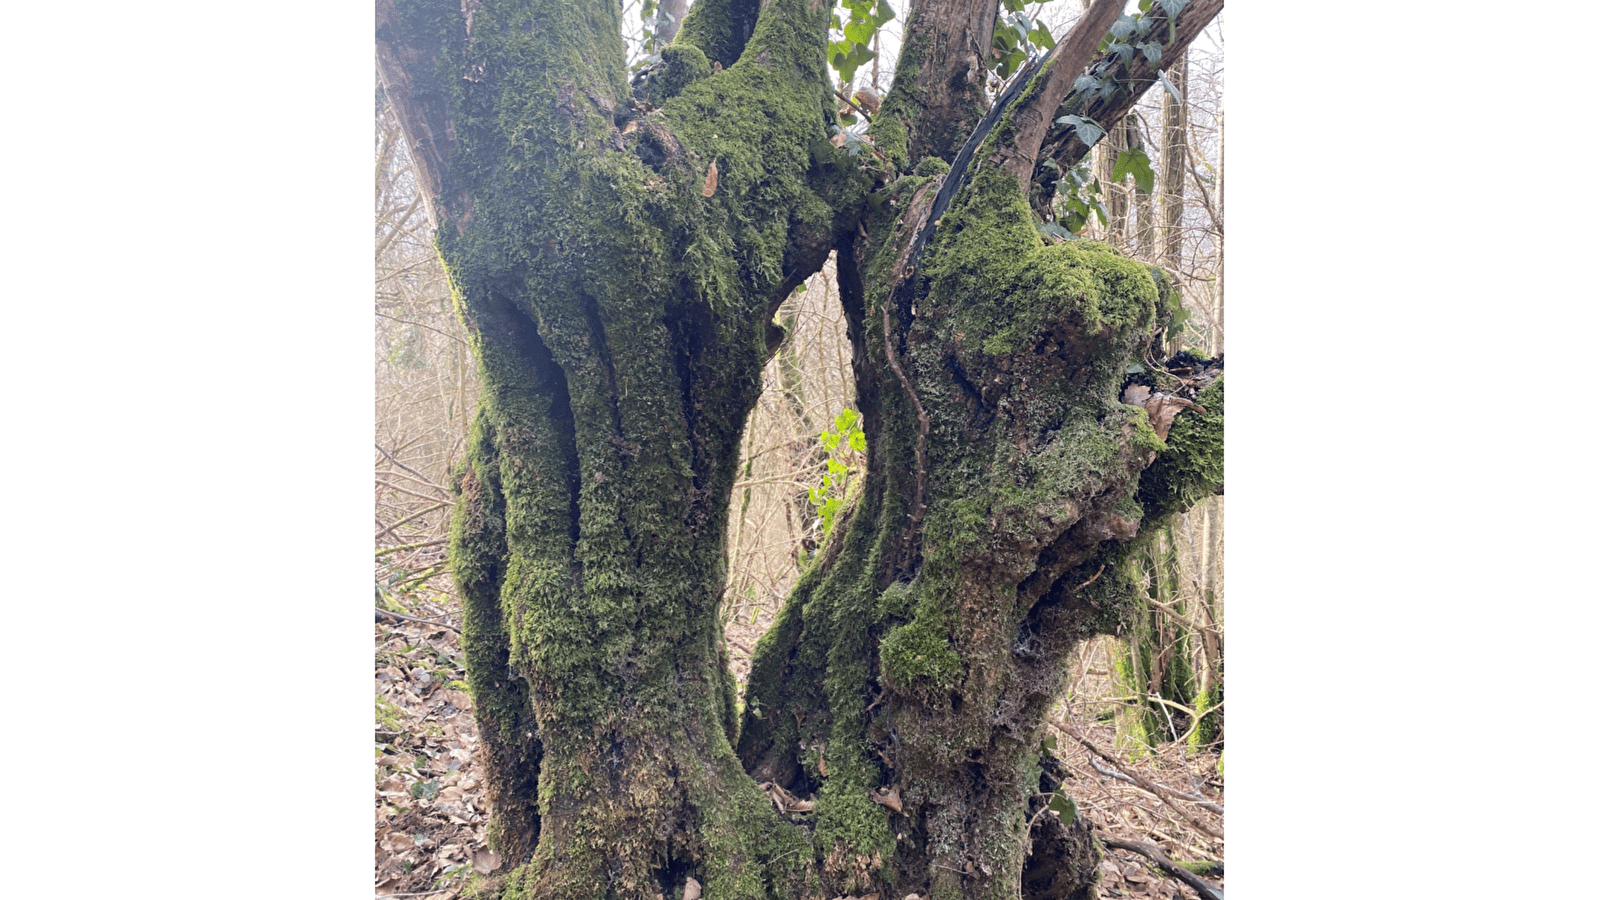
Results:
<point x="399" y="547"/>
<point x="395" y="487"/>
<point x="394" y="615"/>
<point x="1205" y="888"/>
<point x="407" y="468"/>
<point x="408" y="518"/>
<point x="420" y="325"/>
<point x="1165" y="794"/>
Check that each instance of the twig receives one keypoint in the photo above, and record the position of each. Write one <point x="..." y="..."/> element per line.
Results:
<point x="1195" y="799"/>
<point x="1205" y="888"/>
<point x="864" y="114"/>
<point x="1091" y="580"/>
<point x="394" y="615"/>
<point x="398" y="547"/>
<point x="425" y="479"/>
<point x="1165" y="794"/>
<point x="400" y="490"/>
<point x="435" y="331"/>
<point x="408" y="518"/>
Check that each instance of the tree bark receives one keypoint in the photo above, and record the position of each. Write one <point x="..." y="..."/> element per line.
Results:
<point x="619" y="262"/>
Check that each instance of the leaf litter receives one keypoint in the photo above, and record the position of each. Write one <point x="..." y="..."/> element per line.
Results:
<point x="431" y="824"/>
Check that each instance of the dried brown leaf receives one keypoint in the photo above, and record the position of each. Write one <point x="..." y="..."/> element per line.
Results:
<point x="889" y="797"/>
<point x="691" y="888"/>
<point x="485" y="861"/>
<point x="710" y="184"/>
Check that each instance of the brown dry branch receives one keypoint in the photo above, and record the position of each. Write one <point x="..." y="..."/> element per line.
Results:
<point x="1166" y="795"/>
<point x="1205" y="888"/>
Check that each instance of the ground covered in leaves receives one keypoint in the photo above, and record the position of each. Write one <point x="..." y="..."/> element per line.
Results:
<point x="431" y="822"/>
<point x="430" y="833"/>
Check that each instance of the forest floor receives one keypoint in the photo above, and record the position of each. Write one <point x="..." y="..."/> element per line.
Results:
<point x="432" y="819"/>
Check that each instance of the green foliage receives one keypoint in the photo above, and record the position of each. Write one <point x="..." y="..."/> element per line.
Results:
<point x="1077" y="196"/>
<point x="1135" y="162"/>
<point x="1018" y="37"/>
<point x="854" y="50"/>
<point x="846" y="453"/>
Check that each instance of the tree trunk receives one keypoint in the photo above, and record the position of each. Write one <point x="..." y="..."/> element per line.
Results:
<point x="619" y="263"/>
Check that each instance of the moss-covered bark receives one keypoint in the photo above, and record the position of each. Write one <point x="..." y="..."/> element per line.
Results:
<point x="619" y="263"/>
<point x="919" y="657"/>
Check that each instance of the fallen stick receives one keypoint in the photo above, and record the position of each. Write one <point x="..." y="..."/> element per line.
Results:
<point x="394" y="615"/>
<point x="1205" y="888"/>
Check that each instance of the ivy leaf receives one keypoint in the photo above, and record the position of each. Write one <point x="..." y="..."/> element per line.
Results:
<point x="1041" y="37"/>
<point x="1135" y="162"/>
<point x="1170" y="88"/>
<point x="1107" y="90"/>
<point x="1084" y="84"/>
<point x="1122" y="27"/>
<point x="1173" y="8"/>
<point x="1053" y="230"/>
<point x="1151" y="53"/>
<point x="1088" y="131"/>
<point x="858" y="31"/>
<point x="1065" y="806"/>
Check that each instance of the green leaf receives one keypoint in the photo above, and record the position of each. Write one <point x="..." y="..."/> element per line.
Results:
<point x="859" y="32"/>
<point x="1041" y="36"/>
<point x="1174" y="8"/>
<point x="884" y="14"/>
<point x="1088" y="131"/>
<point x="1170" y="88"/>
<point x="1134" y="369"/>
<point x="1064" y="805"/>
<point x="1151" y="53"/>
<point x="1122" y="27"/>
<point x="1136" y="163"/>
<point x="1053" y="230"/>
<point x="1084" y="83"/>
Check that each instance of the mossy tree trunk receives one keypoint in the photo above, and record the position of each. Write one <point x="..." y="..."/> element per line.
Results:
<point x="618" y="256"/>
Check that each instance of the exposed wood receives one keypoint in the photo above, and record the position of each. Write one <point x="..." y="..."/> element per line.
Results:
<point x="944" y="98"/>
<point x="1035" y="113"/>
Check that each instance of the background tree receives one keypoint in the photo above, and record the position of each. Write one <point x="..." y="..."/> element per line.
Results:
<point x="619" y="262"/>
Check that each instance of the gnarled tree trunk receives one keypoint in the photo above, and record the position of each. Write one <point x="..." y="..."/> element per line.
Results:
<point x="618" y="255"/>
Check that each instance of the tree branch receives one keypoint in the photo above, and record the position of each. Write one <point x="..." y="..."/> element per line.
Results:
<point x="1205" y="888"/>
<point x="1033" y="116"/>
<point x="1062" y="143"/>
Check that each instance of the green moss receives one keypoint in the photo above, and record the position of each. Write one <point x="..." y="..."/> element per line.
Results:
<point x="920" y="649"/>
<point x="681" y="65"/>
<point x="1193" y="466"/>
